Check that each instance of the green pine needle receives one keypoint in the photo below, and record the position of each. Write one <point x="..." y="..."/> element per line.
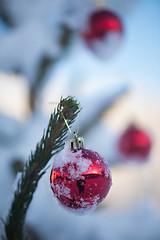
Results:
<point x="52" y="141"/>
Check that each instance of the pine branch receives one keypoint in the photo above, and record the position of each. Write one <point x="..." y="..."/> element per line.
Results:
<point x="51" y="142"/>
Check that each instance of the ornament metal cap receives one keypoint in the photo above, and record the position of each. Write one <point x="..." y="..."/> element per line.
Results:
<point x="76" y="142"/>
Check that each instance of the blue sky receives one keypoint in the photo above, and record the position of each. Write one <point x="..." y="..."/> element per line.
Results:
<point x="137" y="61"/>
<point x="143" y="44"/>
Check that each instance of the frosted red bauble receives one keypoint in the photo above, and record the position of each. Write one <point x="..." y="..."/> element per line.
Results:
<point x="104" y="31"/>
<point x="80" y="179"/>
<point x="135" y="144"/>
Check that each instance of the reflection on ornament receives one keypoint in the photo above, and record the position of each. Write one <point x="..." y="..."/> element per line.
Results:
<point x="135" y="144"/>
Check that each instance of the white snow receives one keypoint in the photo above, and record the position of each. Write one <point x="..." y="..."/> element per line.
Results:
<point x="62" y="189"/>
<point x="86" y="207"/>
<point x="24" y="48"/>
<point x="132" y="209"/>
<point x="67" y="156"/>
<point x="108" y="46"/>
<point x="139" y="222"/>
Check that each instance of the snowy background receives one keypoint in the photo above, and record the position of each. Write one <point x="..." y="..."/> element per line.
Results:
<point x="113" y="93"/>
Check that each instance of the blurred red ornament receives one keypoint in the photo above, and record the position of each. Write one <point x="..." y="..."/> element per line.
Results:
<point x="104" y="33"/>
<point x="80" y="179"/>
<point x="135" y="144"/>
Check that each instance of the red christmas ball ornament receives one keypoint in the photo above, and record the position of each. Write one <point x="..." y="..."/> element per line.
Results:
<point x="80" y="178"/>
<point x="104" y="32"/>
<point x="135" y="144"/>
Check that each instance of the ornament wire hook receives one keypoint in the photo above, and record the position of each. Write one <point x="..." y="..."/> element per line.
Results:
<point x="67" y="122"/>
<point x="76" y="142"/>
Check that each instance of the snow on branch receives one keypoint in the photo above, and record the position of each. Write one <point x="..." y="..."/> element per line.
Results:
<point x="52" y="141"/>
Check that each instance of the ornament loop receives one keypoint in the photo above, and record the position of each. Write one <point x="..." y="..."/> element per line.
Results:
<point x="59" y="108"/>
<point x="76" y="142"/>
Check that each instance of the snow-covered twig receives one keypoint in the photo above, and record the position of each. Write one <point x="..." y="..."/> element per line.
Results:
<point x="51" y="142"/>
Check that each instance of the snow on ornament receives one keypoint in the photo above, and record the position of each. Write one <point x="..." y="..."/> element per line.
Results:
<point x="135" y="144"/>
<point x="104" y="32"/>
<point x="80" y="178"/>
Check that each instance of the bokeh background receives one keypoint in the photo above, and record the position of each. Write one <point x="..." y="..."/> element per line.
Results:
<point x="43" y="57"/>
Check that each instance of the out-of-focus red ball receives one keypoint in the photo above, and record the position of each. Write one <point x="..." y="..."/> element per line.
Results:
<point x="101" y="23"/>
<point x="104" y="31"/>
<point x="82" y="181"/>
<point x="135" y="144"/>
